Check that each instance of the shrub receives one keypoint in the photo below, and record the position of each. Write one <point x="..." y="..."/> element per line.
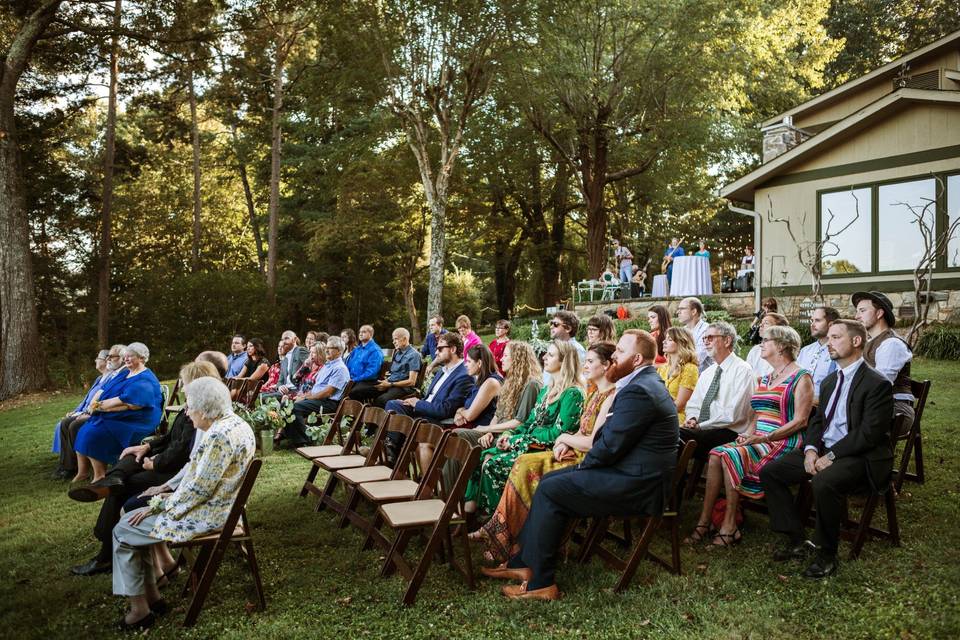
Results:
<point x="941" y="342"/>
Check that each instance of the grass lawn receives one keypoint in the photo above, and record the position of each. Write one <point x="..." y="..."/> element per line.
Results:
<point x="319" y="584"/>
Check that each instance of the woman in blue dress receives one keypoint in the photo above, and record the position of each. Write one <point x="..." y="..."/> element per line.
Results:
<point x="128" y="410"/>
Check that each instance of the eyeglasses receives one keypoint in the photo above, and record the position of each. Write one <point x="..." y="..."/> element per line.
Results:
<point x="113" y="357"/>
<point x="555" y="323"/>
<point x="710" y="338"/>
<point x="683" y="308"/>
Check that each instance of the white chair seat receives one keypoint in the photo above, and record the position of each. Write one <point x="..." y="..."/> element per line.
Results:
<point x="389" y="490"/>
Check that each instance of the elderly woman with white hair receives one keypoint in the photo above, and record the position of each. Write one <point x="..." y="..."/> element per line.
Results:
<point x="200" y="504"/>
<point x="127" y="410"/>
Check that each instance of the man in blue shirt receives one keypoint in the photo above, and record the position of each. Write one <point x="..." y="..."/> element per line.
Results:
<point x="323" y="397"/>
<point x="401" y="379"/>
<point x="815" y="357"/>
<point x="675" y="250"/>
<point x="365" y="363"/>
<point x="434" y="330"/>
<point x="238" y="356"/>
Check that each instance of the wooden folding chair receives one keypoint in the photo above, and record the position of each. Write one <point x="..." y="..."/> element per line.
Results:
<point x="593" y="543"/>
<point x="374" y="416"/>
<point x="913" y="441"/>
<point x="249" y="392"/>
<point x="350" y="411"/>
<point x="236" y="530"/>
<point x="173" y="405"/>
<point x="401" y="469"/>
<point x="402" y="484"/>
<point x="437" y="514"/>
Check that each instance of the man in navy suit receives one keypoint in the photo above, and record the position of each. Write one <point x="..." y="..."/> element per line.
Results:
<point x="627" y="471"/>
<point x="449" y="388"/>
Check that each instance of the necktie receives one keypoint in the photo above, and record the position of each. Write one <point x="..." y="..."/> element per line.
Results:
<point x="836" y="400"/>
<point x="710" y="397"/>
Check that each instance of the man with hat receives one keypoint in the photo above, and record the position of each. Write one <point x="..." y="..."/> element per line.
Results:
<point x="887" y="352"/>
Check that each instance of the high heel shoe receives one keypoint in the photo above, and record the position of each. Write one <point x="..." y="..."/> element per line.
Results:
<point x="700" y="533"/>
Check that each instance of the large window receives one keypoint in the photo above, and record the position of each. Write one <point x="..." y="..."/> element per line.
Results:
<point x="901" y="208"/>
<point x="846" y="229"/>
<point x="953" y="214"/>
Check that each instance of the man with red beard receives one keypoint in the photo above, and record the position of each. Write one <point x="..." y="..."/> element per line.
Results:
<point x="627" y="471"/>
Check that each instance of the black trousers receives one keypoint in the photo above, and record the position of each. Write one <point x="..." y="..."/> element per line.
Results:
<point x="365" y="391"/>
<point x="830" y="487"/>
<point x="559" y="498"/>
<point x="136" y="481"/>
<point x="393" y="393"/>
<point x="69" y="428"/>
<point x="707" y="439"/>
<point x="296" y="431"/>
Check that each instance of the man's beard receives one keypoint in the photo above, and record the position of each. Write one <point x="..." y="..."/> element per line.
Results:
<point x="619" y="370"/>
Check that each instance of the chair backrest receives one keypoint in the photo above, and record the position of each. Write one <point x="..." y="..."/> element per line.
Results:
<point x="408" y="463"/>
<point x="920" y="390"/>
<point x="249" y="392"/>
<point x="370" y="416"/>
<point x="396" y="424"/>
<point x="421" y="375"/>
<point x="172" y="398"/>
<point x="347" y="409"/>
<point x="235" y="384"/>
<point x="240" y="502"/>
<point x="684" y="455"/>
<point x="432" y="483"/>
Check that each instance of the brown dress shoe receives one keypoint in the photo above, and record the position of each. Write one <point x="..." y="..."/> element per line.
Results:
<point x="520" y="592"/>
<point x="88" y="493"/>
<point x="503" y="572"/>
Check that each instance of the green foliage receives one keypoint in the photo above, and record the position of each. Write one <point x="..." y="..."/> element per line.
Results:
<point x="939" y="341"/>
<point x="269" y="415"/>
<point x="913" y="589"/>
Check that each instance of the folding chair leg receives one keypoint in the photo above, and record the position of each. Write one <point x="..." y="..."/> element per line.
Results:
<point x="311" y="476"/>
<point x="373" y="534"/>
<point x="350" y="504"/>
<point x="437" y="537"/>
<point x="893" y="525"/>
<point x="203" y="587"/>
<point x="594" y="536"/>
<point x="918" y="459"/>
<point x="864" y="529"/>
<point x="694" y="478"/>
<point x="395" y="554"/>
<point x="327" y="493"/>
<point x="639" y="553"/>
<point x="675" y="544"/>
<point x="247" y="546"/>
<point x="196" y="569"/>
<point x="467" y="561"/>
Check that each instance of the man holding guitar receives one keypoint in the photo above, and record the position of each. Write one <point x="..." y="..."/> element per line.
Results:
<point x="625" y="259"/>
<point x="675" y="250"/>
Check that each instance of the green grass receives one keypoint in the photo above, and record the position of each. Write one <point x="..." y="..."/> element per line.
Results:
<point x="319" y="584"/>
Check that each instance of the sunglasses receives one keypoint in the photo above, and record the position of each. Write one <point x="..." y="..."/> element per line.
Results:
<point x="555" y="323"/>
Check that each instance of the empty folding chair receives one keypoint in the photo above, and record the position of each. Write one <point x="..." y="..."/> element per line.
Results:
<point x="435" y="509"/>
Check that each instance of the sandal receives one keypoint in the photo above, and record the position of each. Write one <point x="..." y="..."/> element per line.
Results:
<point x="700" y="533"/>
<point x="169" y="576"/>
<point x="726" y="540"/>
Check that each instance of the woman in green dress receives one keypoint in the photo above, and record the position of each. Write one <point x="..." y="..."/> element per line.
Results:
<point x="500" y="532"/>
<point x="557" y="411"/>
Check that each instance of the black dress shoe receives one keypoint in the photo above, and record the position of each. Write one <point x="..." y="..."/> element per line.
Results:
<point x="143" y="623"/>
<point x="92" y="568"/>
<point x="799" y="551"/>
<point x="112" y="481"/>
<point x="159" y="607"/>
<point x="88" y="493"/>
<point x="822" y="566"/>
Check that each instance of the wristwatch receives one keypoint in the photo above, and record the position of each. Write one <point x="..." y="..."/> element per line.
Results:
<point x="831" y="456"/>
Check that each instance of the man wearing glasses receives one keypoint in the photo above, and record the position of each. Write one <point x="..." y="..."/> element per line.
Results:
<point x="324" y="395"/>
<point x="564" y="326"/>
<point x="719" y="409"/>
<point x="690" y="313"/>
<point x="449" y="388"/>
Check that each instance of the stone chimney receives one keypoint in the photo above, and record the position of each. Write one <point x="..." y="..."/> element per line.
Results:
<point x="781" y="137"/>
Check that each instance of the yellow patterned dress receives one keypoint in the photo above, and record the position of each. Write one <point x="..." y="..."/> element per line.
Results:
<point x="686" y="379"/>
<point x="501" y="531"/>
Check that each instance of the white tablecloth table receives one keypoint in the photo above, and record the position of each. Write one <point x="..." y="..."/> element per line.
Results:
<point x="691" y="277"/>
<point x="660" y="286"/>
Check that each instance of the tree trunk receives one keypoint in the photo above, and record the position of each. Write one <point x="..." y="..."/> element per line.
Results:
<point x="195" y="140"/>
<point x="23" y="366"/>
<point x="106" y="212"/>
<point x="273" y="229"/>
<point x="248" y="198"/>
<point x="438" y="253"/>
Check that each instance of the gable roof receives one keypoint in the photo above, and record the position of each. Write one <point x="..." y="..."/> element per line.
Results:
<point x="742" y="189"/>
<point x="889" y="70"/>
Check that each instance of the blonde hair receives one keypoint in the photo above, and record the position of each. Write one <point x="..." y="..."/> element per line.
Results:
<point x="524" y="368"/>
<point x="193" y="370"/>
<point x="463" y="321"/>
<point x="570" y="371"/>
<point x="686" y="350"/>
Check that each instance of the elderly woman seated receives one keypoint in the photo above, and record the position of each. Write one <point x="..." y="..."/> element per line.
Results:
<point x="199" y="506"/>
<point x="127" y="410"/>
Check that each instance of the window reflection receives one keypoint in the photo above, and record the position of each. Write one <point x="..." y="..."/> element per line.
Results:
<point x="901" y="208"/>
<point x="845" y="218"/>
<point x="953" y="213"/>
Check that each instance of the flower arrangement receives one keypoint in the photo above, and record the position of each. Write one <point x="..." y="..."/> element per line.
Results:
<point x="156" y="504"/>
<point x="269" y="414"/>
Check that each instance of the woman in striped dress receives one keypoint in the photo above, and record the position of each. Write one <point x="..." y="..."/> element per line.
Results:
<point x="781" y="406"/>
